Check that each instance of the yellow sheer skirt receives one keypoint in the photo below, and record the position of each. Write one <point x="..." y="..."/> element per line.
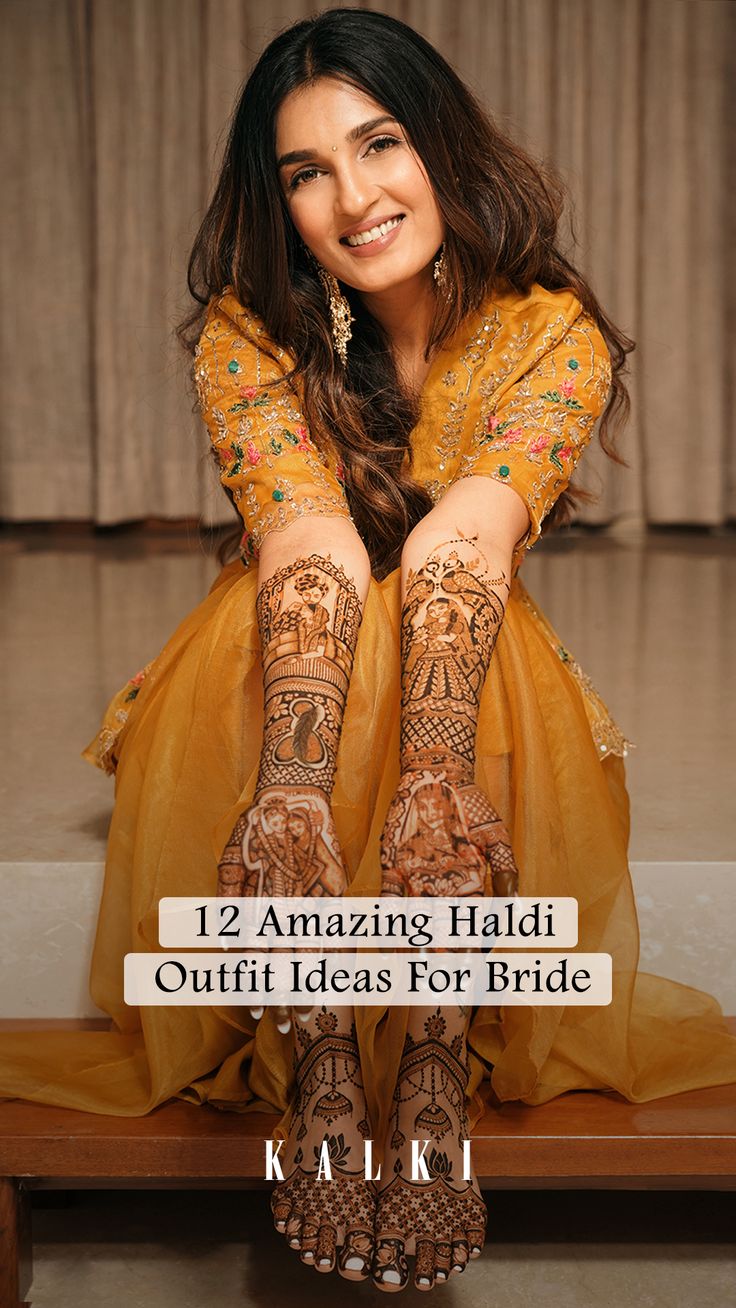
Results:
<point x="185" y="736"/>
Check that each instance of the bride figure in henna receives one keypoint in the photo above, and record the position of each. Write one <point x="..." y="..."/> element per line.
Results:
<point x="442" y="836"/>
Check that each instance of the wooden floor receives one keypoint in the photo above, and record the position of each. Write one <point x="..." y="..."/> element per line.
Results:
<point x="582" y="1138"/>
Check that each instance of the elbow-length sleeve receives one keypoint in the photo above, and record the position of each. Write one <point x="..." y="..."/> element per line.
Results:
<point x="536" y="417"/>
<point x="266" y="457"/>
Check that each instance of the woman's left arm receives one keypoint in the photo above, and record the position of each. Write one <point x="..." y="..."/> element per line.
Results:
<point x="441" y="830"/>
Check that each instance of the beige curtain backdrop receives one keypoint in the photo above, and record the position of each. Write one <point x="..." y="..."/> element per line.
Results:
<point x="114" y="116"/>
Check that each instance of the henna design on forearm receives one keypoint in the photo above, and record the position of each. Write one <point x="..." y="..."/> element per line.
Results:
<point x="309" y="616"/>
<point x="450" y="620"/>
<point x="442" y="832"/>
<point x="285" y="843"/>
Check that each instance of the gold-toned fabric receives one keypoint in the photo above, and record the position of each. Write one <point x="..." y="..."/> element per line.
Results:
<point x="259" y="435"/>
<point x="183" y="740"/>
<point x="514" y="397"/>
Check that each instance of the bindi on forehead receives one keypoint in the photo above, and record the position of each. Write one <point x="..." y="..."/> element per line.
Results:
<point x="355" y="134"/>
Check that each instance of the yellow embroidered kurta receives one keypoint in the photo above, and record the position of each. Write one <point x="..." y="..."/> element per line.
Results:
<point x="514" y="397"/>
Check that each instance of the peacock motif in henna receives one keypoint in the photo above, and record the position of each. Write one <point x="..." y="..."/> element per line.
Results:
<point x="441" y="836"/>
<point x="450" y="619"/>
<point x="442" y="831"/>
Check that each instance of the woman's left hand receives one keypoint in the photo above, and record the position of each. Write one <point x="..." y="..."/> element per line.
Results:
<point x="442" y="835"/>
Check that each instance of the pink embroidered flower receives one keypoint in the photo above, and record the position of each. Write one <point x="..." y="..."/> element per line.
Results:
<point x="303" y="435"/>
<point x="252" y="454"/>
<point x="138" y="678"/>
<point x="538" y="444"/>
<point x="492" y="422"/>
<point x="225" y="455"/>
<point x="567" y="386"/>
<point x="340" y="470"/>
<point x="248" y="392"/>
<point x="566" y="452"/>
<point x="513" y="434"/>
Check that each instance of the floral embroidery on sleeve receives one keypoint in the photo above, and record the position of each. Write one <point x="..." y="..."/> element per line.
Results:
<point x="266" y="457"/>
<point x="532" y="432"/>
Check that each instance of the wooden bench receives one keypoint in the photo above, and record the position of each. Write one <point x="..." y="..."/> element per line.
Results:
<point x="581" y="1140"/>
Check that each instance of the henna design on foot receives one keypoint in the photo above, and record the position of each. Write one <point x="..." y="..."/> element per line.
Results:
<point x="442" y="1220"/>
<point x="330" y="1222"/>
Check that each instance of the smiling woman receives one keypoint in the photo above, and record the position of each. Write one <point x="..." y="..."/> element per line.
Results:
<point x="357" y="201"/>
<point x="360" y="198"/>
<point x="399" y="371"/>
<point x="337" y="139"/>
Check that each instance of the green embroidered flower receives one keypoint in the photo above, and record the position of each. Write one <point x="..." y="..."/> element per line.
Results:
<point x="569" y="401"/>
<point x="232" y="458"/>
<point x="276" y="446"/>
<point x="554" y="453"/>
<point x="248" y="404"/>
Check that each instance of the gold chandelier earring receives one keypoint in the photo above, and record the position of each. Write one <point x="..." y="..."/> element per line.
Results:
<point x="339" y="307"/>
<point x="441" y="275"/>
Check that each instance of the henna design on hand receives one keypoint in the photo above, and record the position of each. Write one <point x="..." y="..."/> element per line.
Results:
<point x="284" y="844"/>
<point x="441" y="832"/>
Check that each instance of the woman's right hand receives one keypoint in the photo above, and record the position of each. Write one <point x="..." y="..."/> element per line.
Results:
<point x="285" y="843"/>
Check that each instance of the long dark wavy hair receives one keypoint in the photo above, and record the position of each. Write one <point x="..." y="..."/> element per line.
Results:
<point x="501" y="211"/>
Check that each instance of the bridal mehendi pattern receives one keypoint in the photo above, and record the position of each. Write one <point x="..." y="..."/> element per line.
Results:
<point x="284" y="844"/>
<point x="450" y="620"/>
<point x="441" y="1220"/>
<point x="442" y="830"/>
<point x="330" y="1222"/>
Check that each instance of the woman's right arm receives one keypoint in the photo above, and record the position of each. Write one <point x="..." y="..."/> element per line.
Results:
<point x="313" y="578"/>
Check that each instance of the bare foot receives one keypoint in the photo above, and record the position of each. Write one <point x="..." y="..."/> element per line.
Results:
<point x="319" y="1216"/>
<point x="440" y="1220"/>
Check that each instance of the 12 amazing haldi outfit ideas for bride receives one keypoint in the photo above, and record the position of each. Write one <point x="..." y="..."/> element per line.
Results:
<point x="514" y="396"/>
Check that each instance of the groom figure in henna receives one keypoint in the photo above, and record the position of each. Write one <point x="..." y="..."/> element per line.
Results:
<point x="309" y="615"/>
